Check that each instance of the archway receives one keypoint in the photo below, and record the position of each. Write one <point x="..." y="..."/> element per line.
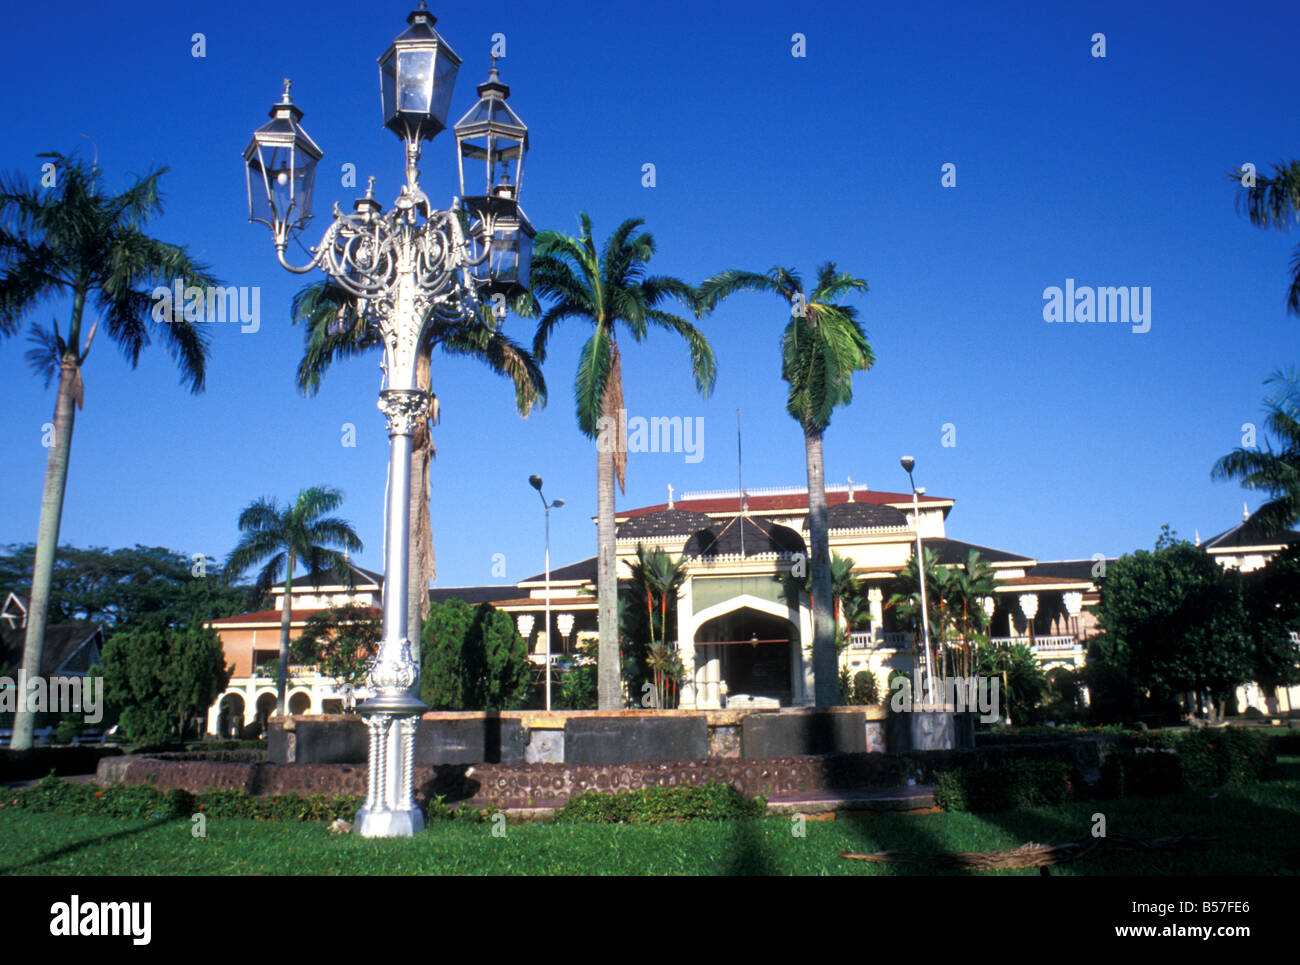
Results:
<point x="230" y="717"/>
<point x="756" y="653"/>
<point x="266" y="703"/>
<point x="300" y="702"/>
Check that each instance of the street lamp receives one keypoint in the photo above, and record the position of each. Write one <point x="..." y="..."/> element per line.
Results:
<point x="536" y="482"/>
<point x="908" y="463"/>
<point x="400" y="271"/>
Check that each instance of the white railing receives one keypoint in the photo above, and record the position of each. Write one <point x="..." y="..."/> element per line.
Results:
<point x="1038" y="643"/>
<point x="896" y="638"/>
<point x="860" y="641"/>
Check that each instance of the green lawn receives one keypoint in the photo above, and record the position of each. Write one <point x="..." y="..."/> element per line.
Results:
<point x="1258" y="828"/>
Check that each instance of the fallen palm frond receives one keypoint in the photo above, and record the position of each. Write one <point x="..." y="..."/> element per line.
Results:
<point x="1032" y="854"/>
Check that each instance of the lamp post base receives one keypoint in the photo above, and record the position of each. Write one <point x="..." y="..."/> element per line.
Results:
<point x="390" y="810"/>
<point x="389" y="824"/>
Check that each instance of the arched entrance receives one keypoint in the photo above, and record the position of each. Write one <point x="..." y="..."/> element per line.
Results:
<point x="230" y="718"/>
<point x="754" y="653"/>
<point x="265" y="708"/>
<point x="300" y="702"/>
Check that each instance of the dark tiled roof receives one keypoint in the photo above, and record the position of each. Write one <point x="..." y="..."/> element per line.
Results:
<point x="762" y="535"/>
<point x="473" y="595"/>
<point x="326" y="577"/>
<point x="1065" y="569"/>
<point x="584" y="570"/>
<point x="62" y="641"/>
<point x="665" y="522"/>
<point x="856" y="515"/>
<point x="1249" y="533"/>
<point x="955" y="552"/>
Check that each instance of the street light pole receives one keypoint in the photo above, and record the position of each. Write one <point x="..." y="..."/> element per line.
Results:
<point x="536" y="482"/>
<point x="908" y="463"/>
<point x="395" y="273"/>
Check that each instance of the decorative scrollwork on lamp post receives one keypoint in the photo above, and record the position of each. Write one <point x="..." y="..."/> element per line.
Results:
<point x="401" y="270"/>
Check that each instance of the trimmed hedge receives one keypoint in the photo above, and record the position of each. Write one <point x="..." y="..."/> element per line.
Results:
<point x="1129" y="774"/>
<point x="1005" y="787"/>
<point x="145" y="801"/>
<point x="710" y="802"/>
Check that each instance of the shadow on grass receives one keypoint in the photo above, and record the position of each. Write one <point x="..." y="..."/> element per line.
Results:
<point x="73" y="848"/>
<point x="748" y="856"/>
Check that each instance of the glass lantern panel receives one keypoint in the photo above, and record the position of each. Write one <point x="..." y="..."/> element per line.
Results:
<point x="259" y="202"/>
<point x="304" y="182"/>
<point x="388" y="85"/>
<point x="444" y="83"/>
<point x="415" y="75"/>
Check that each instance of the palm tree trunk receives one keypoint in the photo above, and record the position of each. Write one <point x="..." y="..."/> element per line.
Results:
<point x="282" y="678"/>
<point x="825" y="676"/>
<point x="47" y="541"/>
<point x="607" y="675"/>
<point x="421" y="570"/>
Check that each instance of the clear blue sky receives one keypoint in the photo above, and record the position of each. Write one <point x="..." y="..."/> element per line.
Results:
<point x="1070" y="440"/>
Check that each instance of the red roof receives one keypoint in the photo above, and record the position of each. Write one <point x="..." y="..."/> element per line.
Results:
<point x="785" y="502"/>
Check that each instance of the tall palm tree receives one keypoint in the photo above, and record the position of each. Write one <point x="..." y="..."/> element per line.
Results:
<point x="1275" y="472"/>
<point x="333" y="331"/>
<point x="604" y="290"/>
<point x="77" y="240"/>
<point x="822" y="347"/>
<point x="1275" y="203"/>
<point x="282" y="537"/>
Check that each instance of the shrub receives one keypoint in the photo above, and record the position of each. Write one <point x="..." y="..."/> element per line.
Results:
<point x="866" y="689"/>
<point x="1005" y="787"/>
<point x="711" y="802"/>
<point x="1228" y="756"/>
<point x="144" y="801"/>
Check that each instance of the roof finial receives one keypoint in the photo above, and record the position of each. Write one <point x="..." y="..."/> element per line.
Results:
<point x="850" y="478"/>
<point x="1245" y="512"/>
<point x="1198" y="536"/>
<point x="287" y="84"/>
<point x="670" y="489"/>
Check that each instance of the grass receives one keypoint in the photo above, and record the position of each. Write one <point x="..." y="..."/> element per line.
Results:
<point x="1258" y="828"/>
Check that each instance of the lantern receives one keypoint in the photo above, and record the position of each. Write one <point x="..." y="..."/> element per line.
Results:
<point x="491" y="142"/>
<point x="416" y="76"/>
<point x="281" y="169"/>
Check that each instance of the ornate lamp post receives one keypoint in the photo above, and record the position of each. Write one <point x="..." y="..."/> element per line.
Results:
<point x="536" y="483"/>
<point x="400" y="270"/>
<point x="908" y="464"/>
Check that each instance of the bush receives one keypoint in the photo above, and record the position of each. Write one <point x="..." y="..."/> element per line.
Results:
<point x="711" y="802"/>
<point x="1225" y="756"/>
<point x="866" y="689"/>
<point x="1129" y="774"/>
<point x="145" y="801"/>
<point x="1005" y="787"/>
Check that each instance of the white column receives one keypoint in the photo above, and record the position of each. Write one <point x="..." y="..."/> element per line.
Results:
<point x="876" y="600"/>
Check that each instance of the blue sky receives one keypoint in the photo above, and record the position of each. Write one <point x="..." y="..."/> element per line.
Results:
<point x="1070" y="439"/>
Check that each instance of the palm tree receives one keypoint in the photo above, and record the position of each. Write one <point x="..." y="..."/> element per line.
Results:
<point x="1275" y="203"/>
<point x="78" y="240"/>
<point x="906" y="601"/>
<point x="965" y="588"/>
<point x="1275" y="472"/>
<point x="333" y="331"/>
<point x="604" y="290"/>
<point x="300" y="531"/>
<point x="659" y="576"/>
<point x="822" y="347"/>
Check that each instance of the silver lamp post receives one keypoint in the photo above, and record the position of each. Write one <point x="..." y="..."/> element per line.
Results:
<point x="396" y="272"/>
<point x="908" y="464"/>
<point x="536" y="482"/>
